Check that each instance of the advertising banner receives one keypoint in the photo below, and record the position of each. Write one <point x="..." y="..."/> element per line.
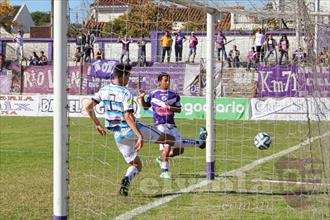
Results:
<point x="39" y="79"/>
<point x="226" y="108"/>
<point x="290" y="81"/>
<point x="290" y="108"/>
<point x="19" y="105"/>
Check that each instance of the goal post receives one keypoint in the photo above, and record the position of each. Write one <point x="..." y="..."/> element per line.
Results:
<point x="60" y="118"/>
<point x="210" y="95"/>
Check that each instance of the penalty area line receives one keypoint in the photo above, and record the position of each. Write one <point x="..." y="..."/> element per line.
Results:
<point x="236" y="172"/>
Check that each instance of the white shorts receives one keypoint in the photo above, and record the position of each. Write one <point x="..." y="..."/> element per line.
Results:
<point x="126" y="140"/>
<point x="168" y="129"/>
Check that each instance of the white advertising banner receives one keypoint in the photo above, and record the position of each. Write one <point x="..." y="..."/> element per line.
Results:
<point x="290" y="108"/>
<point x="19" y="105"/>
<point x="43" y="105"/>
<point x="76" y="106"/>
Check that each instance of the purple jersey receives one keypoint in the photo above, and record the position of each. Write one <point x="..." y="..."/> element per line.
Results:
<point x="157" y="100"/>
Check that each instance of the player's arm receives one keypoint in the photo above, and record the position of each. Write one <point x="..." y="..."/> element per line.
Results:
<point x="175" y="109"/>
<point x="89" y="107"/>
<point x="130" y="119"/>
<point x="144" y="104"/>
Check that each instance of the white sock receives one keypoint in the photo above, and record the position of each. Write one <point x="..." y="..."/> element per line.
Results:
<point x="131" y="172"/>
<point x="164" y="166"/>
<point x="188" y="142"/>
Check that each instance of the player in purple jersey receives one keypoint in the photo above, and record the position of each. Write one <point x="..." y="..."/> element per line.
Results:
<point x="165" y="103"/>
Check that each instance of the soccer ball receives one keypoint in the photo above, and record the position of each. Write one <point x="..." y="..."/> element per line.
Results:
<point x="262" y="141"/>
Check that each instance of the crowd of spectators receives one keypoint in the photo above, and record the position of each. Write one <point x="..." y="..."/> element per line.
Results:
<point x="265" y="50"/>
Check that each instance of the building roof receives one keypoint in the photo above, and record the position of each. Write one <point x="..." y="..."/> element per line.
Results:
<point x="119" y="2"/>
<point x="178" y="14"/>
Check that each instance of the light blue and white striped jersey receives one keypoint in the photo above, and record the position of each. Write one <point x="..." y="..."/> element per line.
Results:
<point x="116" y="100"/>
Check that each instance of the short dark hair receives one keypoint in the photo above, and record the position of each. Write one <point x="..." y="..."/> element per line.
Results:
<point x="122" y="69"/>
<point x="160" y="76"/>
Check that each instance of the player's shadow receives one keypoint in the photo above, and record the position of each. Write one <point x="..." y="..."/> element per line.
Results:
<point x="190" y="175"/>
<point x="233" y="192"/>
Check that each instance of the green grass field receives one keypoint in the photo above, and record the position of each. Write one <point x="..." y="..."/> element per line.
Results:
<point x="96" y="168"/>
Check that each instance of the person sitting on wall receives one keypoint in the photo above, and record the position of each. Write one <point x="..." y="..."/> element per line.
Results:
<point x="77" y="56"/>
<point x="233" y="57"/>
<point x="324" y="56"/>
<point x="100" y="54"/>
<point x="34" y="59"/>
<point x="299" y="56"/>
<point x="43" y="60"/>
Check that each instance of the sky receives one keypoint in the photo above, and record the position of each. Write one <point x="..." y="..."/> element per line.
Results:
<point x="78" y="8"/>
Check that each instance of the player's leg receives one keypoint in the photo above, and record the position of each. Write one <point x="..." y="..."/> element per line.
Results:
<point x="153" y="135"/>
<point x="126" y="147"/>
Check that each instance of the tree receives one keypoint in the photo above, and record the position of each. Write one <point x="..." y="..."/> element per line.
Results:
<point x="6" y="14"/>
<point x="40" y="18"/>
<point x="143" y="19"/>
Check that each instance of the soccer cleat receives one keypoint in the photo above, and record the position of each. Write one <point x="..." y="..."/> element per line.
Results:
<point x="165" y="175"/>
<point x="202" y="136"/>
<point x="159" y="161"/>
<point x="124" y="186"/>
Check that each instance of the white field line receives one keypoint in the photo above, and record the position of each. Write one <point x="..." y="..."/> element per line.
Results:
<point x="289" y="182"/>
<point x="236" y="172"/>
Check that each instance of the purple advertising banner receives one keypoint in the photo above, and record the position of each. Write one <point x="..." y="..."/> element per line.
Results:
<point x="39" y="79"/>
<point x="291" y="81"/>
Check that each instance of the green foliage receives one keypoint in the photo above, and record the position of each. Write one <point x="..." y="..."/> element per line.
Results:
<point x="40" y="18"/>
<point x="6" y="12"/>
<point x="139" y="22"/>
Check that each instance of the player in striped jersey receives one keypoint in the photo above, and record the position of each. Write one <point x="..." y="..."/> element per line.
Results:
<point x="129" y="134"/>
<point x="165" y="103"/>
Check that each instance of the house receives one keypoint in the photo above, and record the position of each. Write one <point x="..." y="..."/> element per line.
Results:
<point x="290" y="6"/>
<point x="21" y="20"/>
<point x="103" y="11"/>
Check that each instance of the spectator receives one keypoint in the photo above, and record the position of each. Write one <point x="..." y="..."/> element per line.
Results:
<point x="18" y="39"/>
<point x="90" y="40"/>
<point x="220" y="45"/>
<point x="299" y="56"/>
<point x="142" y="59"/>
<point x="100" y="54"/>
<point x="87" y="53"/>
<point x="43" y="58"/>
<point x="270" y="48"/>
<point x="284" y="49"/>
<point x="193" y="41"/>
<point x="233" y="57"/>
<point x="178" y="46"/>
<point x="80" y="40"/>
<point x="78" y="55"/>
<point x="34" y="59"/>
<point x="125" y="49"/>
<point x="166" y="44"/>
<point x="324" y="56"/>
<point x="259" y="39"/>
<point x="252" y="59"/>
